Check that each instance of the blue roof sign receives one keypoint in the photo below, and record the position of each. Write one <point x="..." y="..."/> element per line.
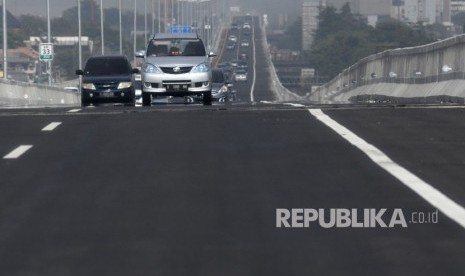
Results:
<point x="180" y="29"/>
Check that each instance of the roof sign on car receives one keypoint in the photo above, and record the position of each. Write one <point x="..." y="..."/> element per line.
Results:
<point x="180" y="29"/>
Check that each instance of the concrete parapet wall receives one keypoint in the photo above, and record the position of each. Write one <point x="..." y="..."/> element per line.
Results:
<point x="436" y="69"/>
<point x="15" y="94"/>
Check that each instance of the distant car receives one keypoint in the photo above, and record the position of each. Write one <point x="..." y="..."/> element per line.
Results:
<point x="234" y="26"/>
<point x="240" y="75"/>
<point x="230" y="45"/>
<point x="242" y="64"/>
<point x="107" y="79"/>
<point x="232" y="38"/>
<point x="243" y="56"/>
<point x="234" y="63"/>
<point x="245" y="43"/>
<point x="246" y="32"/>
<point x="246" y="25"/>
<point x="220" y="86"/>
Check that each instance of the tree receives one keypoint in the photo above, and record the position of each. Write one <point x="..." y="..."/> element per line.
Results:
<point x="343" y="38"/>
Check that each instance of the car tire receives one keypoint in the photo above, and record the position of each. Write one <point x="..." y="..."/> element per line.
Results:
<point x="84" y="102"/>
<point x="207" y="98"/>
<point x="146" y="99"/>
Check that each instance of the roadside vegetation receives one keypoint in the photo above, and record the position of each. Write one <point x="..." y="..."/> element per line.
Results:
<point x="343" y="38"/>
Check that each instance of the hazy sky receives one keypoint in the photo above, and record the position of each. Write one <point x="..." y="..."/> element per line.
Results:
<point x="38" y="7"/>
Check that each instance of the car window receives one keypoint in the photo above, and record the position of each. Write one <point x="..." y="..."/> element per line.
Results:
<point x="107" y="67"/>
<point x="176" y="47"/>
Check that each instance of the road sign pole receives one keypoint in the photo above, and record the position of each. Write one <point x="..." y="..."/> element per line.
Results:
<point x="49" y="40"/>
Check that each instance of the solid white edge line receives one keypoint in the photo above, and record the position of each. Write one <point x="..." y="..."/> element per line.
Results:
<point x="16" y="153"/>
<point x="51" y="126"/>
<point x="446" y="205"/>
<point x="252" y="97"/>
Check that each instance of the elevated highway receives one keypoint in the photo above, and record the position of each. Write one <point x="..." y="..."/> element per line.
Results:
<point x="186" y="189"/>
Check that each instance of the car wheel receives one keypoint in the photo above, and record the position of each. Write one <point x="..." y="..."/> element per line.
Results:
<point x="207" y="98"/>
<point x="146" y="99"/>
<point x="84" y="102"/>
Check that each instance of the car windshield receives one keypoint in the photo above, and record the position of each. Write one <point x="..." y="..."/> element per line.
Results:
<point x="107" y="66"/>
<point x="175" y="47"/>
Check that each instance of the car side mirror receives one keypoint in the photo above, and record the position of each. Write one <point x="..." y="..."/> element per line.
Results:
<point x="140" y="54"/>
<point x="79" y="72"/>
<point x="212" y="54"/>
<point x="135" y="71"/>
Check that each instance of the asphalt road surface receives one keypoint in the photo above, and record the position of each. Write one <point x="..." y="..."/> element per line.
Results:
<point x="188" y="190"/>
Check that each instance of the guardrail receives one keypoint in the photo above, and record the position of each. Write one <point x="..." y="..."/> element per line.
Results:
<point x="280" y="92"/>
<point x="18" y="94"/>
<point x="429" y="73"/>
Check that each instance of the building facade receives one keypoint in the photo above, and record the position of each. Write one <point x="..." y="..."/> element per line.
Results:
<point x="310" y="11"/>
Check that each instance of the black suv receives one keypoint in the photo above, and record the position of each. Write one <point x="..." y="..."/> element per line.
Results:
<point x="107" y="79"/>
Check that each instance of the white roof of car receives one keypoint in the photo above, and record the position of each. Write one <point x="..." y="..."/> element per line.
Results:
<point x="175" y="35"/>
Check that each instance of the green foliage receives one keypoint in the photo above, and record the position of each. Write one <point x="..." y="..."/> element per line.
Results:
<point x="343" y="38"/>
<point x="66" y="59"/>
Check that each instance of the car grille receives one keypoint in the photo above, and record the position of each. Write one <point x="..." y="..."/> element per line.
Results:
<point x="176" y="70"/>
<point x="106" y="86"/>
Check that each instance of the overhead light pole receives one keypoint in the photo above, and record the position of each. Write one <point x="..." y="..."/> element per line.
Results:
<point x="79" y="34"/>
<point x="120" y="29"/>
<point x="145" y="22"/>
<point x="101" y="28"/>
<point x="5" y="43"/>
<point x="135" y="31"/>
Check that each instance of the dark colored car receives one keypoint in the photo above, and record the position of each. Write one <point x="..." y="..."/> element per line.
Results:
<point x="220" y="86"/>
<point x="107" y="79"/>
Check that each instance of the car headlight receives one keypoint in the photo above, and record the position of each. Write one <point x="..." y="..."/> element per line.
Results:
<point x="123" y="85"/>
<point x="88" y="86"/>
<point x="151" y="69"/>
<point x="202" y="68"/>
<point x="223" y="89"/>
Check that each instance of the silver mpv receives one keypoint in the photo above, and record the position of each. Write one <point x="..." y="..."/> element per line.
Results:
<point x="176" y="64"/>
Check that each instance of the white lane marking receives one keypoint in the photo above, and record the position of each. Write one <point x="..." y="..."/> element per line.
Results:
<point x="74" y="110"/>
<point x="446" y="205"/>
<point x="295" y="105"/>
<point x="252" y="97"/>
<point x="16" y="153"/>
<point x="51" y="126"/>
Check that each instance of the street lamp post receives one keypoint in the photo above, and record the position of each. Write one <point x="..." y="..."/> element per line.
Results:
<point x="5" y="43"/>
<point x="79" y="34"/>
<point x="135" y="31"/>
<point x="101" y="28"/>
<point x="120" y="30"/>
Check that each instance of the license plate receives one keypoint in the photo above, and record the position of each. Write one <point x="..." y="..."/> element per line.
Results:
<point x="106" y="94"/>
<point x="177" y="87"/>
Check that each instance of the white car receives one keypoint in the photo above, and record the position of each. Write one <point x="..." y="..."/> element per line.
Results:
<point x="176" y="65"/>
<point x="240" y="75"/>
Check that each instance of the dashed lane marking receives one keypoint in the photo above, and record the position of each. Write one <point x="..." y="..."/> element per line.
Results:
<point x="16" y="153"/>
<point x="51" y="126"/>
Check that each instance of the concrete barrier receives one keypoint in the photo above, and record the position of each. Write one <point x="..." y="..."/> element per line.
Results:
<point x="16" y="94"/>
<point x="429" y="73"/>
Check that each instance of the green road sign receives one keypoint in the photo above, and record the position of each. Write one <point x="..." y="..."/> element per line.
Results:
<point x="46" y="51"/>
